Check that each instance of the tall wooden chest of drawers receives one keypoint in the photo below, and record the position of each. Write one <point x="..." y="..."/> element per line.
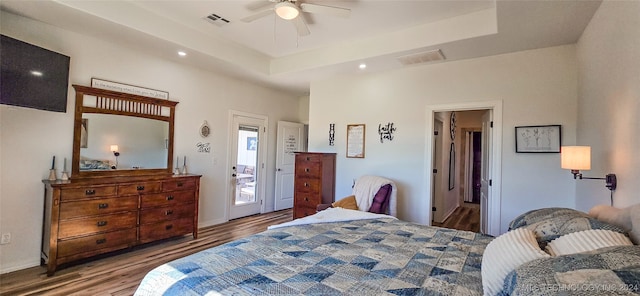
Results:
<point x="87" y="217"/>
<point x="314" y="182"/>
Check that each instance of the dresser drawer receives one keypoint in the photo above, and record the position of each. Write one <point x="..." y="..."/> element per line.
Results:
<point x="96" y="224"/>
<point x="94" y="207"/>
<point x="307" y="185"/>
<point x="137" y="188"/>
<point x="308" y="158"/>
<point x="304" y="199"/>
<point x="300" y="212"/>
<point x="154" y="215"/>
<point x="165" y="229"/>
<point x="178" y="184"/>
<point x="308" y="170"/>
<point x="113" y="239"/>
<point x="87" y="192"/>
<point x="167" y="199"/>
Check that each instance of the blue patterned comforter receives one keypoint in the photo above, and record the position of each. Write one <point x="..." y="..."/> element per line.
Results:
<point x="362" y="257"/>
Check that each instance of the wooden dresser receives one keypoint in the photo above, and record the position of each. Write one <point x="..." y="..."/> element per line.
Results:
<point x="87" y="217"/>
<point x="314" y="182"/>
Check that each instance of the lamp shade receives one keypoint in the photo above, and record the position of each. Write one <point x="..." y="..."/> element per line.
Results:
<point x="576" y="157"/>
<point x="114" y="148"/>
<point x="287" y="10"/>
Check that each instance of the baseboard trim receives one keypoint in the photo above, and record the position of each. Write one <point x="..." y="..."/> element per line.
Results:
<point x="19" y="266"/>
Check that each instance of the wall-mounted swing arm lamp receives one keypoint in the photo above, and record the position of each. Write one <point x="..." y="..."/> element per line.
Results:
<point x="577" y="158"/>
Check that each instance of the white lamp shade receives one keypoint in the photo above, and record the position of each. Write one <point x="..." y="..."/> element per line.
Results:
<point x="114" y="148"/>
<point x="287" y="10"/>
<point x="576" y="157"/>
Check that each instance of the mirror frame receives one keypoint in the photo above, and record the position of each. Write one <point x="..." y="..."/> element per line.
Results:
<point x="123" y="104"/>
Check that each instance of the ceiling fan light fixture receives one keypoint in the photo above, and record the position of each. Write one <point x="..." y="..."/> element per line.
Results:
<point x="287" y="10"/>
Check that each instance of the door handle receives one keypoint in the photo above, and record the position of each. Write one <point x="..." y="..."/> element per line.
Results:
<point x="278" y="169"/>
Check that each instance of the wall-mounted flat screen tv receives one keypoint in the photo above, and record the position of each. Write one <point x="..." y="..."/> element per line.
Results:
<point x="32" y="76"/>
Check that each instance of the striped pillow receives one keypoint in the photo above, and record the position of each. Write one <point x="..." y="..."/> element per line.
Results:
<point x="586" y="240"/>
<point x="506" y="253"/>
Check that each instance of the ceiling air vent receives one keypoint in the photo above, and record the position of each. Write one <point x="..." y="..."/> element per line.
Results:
<point x="422" y="57"/>
<point x="216" y="20"/>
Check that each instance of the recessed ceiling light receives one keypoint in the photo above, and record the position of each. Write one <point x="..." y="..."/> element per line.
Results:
<point x="182" y="53"/>
<point x="362" y="66"/>
<point x="36" y="73"/>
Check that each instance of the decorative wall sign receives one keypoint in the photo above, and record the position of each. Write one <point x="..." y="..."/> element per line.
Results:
<point x="205" y="130"/>
<point x="332" y="133"/>
<point x="355" y="140"/>
<point x="290" y="145"/>
<point x="386" y="131"/>
<point x="130" y="89"/>
<point x="538" y="139"/>
<point x="204" y="147"/>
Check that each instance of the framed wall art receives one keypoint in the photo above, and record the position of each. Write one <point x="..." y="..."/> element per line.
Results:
<point x="538" y="139"/>
<point x="355" y="140"/>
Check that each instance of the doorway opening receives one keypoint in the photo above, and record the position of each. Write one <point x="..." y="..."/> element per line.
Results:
<point x="461" y="166"/>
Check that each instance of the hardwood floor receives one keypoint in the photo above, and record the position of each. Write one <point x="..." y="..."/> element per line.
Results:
<point x="465" y="217"/>
<point x="121" y="273"/>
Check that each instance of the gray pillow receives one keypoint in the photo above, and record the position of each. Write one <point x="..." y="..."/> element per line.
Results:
<point x="551" y="223"/>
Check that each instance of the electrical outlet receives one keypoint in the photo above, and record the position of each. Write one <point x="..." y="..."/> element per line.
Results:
<point x="6" y="238"/>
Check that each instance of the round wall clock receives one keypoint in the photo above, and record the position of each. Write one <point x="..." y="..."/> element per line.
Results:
<point x="452" y="125"/>
<point x="205" y="130"/>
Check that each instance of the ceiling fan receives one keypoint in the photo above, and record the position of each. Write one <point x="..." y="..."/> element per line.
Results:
<point x="291" y="10"/>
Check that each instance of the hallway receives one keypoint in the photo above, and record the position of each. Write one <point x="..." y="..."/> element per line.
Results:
<point x="465" y="217"/>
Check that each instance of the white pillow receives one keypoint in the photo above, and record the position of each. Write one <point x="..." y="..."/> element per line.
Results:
<point x="586" y="240"/>
<point x="504" y="254"/>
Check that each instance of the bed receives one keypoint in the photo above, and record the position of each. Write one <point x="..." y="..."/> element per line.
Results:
<point x="350" y="252"/>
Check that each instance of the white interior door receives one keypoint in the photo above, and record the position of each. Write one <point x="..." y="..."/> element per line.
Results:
<point x="485" y="174"/>
<point x="436" y="194"/>
<point x="290" y="139"/>
<point x="247" y="154"/>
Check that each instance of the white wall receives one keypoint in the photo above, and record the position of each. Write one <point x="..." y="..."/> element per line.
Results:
<point x="30" y="137"/>
<point x="609" y="103"/>
<point x="536" y="87"/>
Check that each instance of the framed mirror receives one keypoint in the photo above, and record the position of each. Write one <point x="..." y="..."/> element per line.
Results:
<point x="120" y="134"/>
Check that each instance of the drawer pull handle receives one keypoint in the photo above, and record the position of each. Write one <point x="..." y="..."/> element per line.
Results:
<point x="90" y="192"/>
<point x="306" y="184"/>
<point x="307" y="170"/>
<point x="168" y="227"/>
<point x="170" y="197"/>
<point x="101" y="241"/>
<point x="103" y="206"/>
<point x="168" y="212"/>
<point x="306" y="199"/>
<point x="308" y="158"/>
<point x="179" y="184"/>
<point x="101" y="223"/>
<point x="140" y="187"/>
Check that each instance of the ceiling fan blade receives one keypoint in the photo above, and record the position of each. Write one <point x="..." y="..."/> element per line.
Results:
<point x="315" y="8"/>
<point x="253" y="17"/>
<point x="301" y="26"/>
<point x="255" y="5"/>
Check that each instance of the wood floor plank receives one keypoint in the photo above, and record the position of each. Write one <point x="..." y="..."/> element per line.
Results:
<point x="121" y="272"/>
<point x="465" y="217"/>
